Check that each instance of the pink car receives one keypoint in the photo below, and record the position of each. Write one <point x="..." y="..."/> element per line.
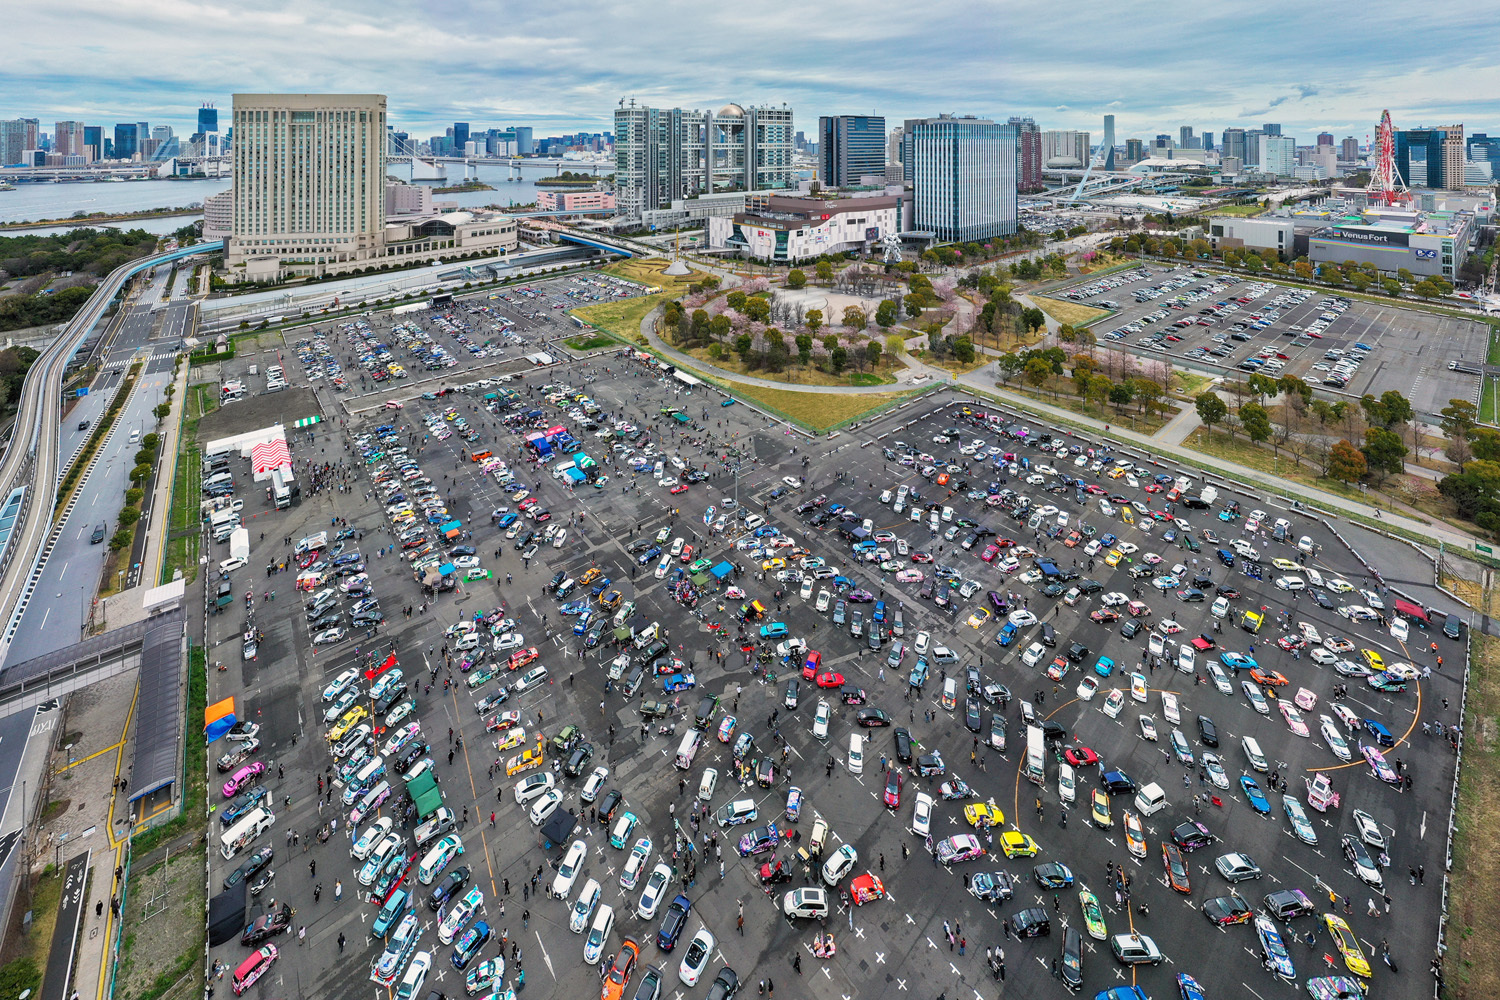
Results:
<point x="242" y="777"/>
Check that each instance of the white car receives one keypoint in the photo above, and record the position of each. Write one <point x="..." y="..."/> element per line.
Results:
<point x="1290" y="583"/>
<point x="699" y="950"/>
<point x="921" y="815"/>
<point x="595" y="784"/>
<point x="1034" y="654"/>
<point x="1021" y="618"/>
<point x="922" y="644"/>
<point x="1219" y="677"/>
<point x="583" y="906"/>
<point x="820" y="721"/>
<point x="841" y="863"/>
<point x="663" y="567"/>
<point x="656" y="888"/>
<point x="1114" y="599"/>
<point x="415" y="976"/>
<point x="1369" y="831"/>
<point x="807" y="589"/>
<point x="1334" y="739"/>
<point x="598" y="937"/>
<point x="533" y="786"/>
<point x="1372" y="599"/>
<point x="1399" y="629"/>
<point x="545" y="806"/>
<point x="1215" y="769"/>
<point x="567" y="871"/>
<point x="231" y="564"/>
<point x="508" y="640"/>
<point x="824" y="598"/>
<point x="1088" y="687"/>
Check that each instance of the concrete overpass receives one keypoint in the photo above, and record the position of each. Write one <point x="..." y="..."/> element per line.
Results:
<point x="32" y="459"/>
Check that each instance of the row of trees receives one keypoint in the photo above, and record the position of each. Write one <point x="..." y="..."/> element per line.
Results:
<point x="1042" y="367"/>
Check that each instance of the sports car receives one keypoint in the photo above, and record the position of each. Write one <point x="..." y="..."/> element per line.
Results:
<point x="1293" y="718"/>
<point x="992" y="887"/>
<point x="1215" y="769"/>
<point x="1335" y="988"/>
<point x="1080" y="756"/>
<point x="984" y="814"/>
<point x="1148" y="728"/>
<point x="1347" y="944"/>
<point x="726" y="728"/>
<point x="1258" y="800"/>
<point x="1269" y="678"/>
<point x="679" y="682"/>
<point x="1052" y="875"/>
<point x="1306" y="700"/>
<point x="1378" y="765"/>
<point x="1135" y="837"/>
<point x="1099" y="811"/>
<point x="1277" y="959"/>
<point x="1297" y="816"/>
<point x="1176" y="868"/>
<point x="242" y="778"/>
<point x="759" y="840"/>
<point x="955" y="788"/>
<point x="829" y="679"/>
<point x="958" y="848"/>
<point x="1334" y="738"/>
<point x="1224" y="910"/>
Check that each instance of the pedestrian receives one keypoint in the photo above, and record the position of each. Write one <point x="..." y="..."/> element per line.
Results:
<point x="338" y="890"/>
<point x="341" y="942"/>
<point x="312" y="869"/>
<point x="317" y="892"/>
<point x="962" y="944"/>
<point x="882" y="861"/>
<point x="739" y="924"/>
<point x="797" y="963"/>
<point x="525" y="918"/>
<point x="1005" y="927"/>
<point x="1421" y="871"/>
<point x="301" y="934"/>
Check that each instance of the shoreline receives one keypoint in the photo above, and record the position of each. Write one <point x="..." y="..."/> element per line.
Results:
<point x="86" y="221"/>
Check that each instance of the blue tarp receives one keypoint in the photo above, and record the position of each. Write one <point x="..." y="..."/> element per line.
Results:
<point x="722" y="570"/>
<point x="447" y="569"/>
<point x="575" y="475"/>
<point x="219" y="727"/>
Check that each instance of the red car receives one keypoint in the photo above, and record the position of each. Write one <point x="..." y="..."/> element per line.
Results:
<point x="830" y="679"/>
<point x="527" y="504"/>
<point x="893" y="783"/>
<point x="1271" y="677"/>
<point x="1105" y="615"/>
<point x="990" y="552"/>
<point x="1005" y="543"/>
<point x="687" y="554"/>
<point x="1154" y="488"/>
<point x="679" y="488"/>
<point x="921" y="557"/>
<point x="1095" y="490"/>
<point x="1290" y="642"/>
<point x="1081" y="756"/>
<point x="521" y="657"/>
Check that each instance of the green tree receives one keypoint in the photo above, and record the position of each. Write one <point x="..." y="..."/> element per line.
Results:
<point x="140" y="473"/>
<point x="795" y="278"/>
<point x="830" y="342"/>
<point x="1256" y="421"/>
<point x="963" y="350"/>
<point x="872" y="352"/>
<point x="1406" y="276"/>
<point x="1485" y="444"/>
<point x="1427" y="290"/>
<point x="1346" y="463"/>
<point x="1460" y="417"/>
<point x="162" y="411"/>
<point x="1391" y="287"/>
<point x="757" y="309"/>
<point x="1211" y="409"/>
<point x="855" y="318"/>
<point x="804" y="349"/>
<point x="813" y="320"/>
<point x="1120" y="394"/>
<point x="1033" y="319"/>
<point x="1384" y="452"/>
<point x="1010" y="365"/>
<point x="128" y="515"/>
<point x="720" y="326"/>
<point x="886" y="314"/>
<point x="1398" y="409"/>
<point x="838" y="359"/>
<point x="743" y="344"/>
<point x="824" y="270"/>
<point x="735" y="300"/>
<point x="915" y="303"/>
<point x="1037" y="372"/>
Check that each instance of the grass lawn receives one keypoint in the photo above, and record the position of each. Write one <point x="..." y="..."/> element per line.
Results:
<point x="1470" y="969"/>
<point x="1243" y="211"/>
<point x="46" y="896"/>
<point x="1494" y="354"/>
<point x="816" y="410"/>
<point x="1072" y="313"/>
<point x="623" y="319"/>
<point x="952" y="365"/>
<point x="648" y="271"/>
<point x="1190" y="384"/>
<point x="587" y="343"/>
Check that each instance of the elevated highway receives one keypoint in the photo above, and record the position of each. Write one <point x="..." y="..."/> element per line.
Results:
<point x="32" y="460"/>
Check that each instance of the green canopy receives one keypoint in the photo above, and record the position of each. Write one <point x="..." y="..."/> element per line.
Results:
<point x="700" y="579"/>
<point x="425" y="793"/>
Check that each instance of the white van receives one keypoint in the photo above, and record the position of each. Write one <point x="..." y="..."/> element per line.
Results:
<point x="1151" y="799"/>
<point x="688" y="748"/>
<point x="856" y="753"/>
<point x="708" y="783"/>
<point x="1254" y="755"/>
<point x="437" y="859"/>
<point x="372" y="771"/>
<point x="243" y="833"/>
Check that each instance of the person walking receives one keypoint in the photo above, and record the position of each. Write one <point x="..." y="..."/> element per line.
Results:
<point x="341" y="942"/>
<point x="338" y="890"/>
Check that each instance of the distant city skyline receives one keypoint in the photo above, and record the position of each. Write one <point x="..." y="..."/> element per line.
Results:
<point x="157" y="61"/>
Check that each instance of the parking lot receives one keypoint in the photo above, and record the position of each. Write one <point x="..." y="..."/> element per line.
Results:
<point x="895" y="945"/>
<point x="1259" y="325"/>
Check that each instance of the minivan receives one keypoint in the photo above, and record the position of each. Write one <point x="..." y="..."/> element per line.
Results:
<point x="950" y="693"/>
<point x="856" y="753"/>
<point x="736" y="813"/>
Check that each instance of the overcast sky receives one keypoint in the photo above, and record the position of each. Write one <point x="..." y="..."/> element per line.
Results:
<point x="563" y="65"/>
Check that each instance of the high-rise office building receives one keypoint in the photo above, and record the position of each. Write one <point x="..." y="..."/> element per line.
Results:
<point x="525" y="145"/>
<point x="662" y="154"/>
<point x="1185" y="136"/>
<point x="67" y="139"/>
<point x="1234" y="143"/>
<point x="1208" y="140"/>
<point x="1278" y="155"/>
<point x="142" y="132"/>
<point x="893" y="171"/>
<point x="208" y="119"/>
<point x="93" y="142"/>
<point x="127" y="140"/>
<point x="1349" y="148"/>
<point x="1109" y="142"/>
<point x="17" y="135"/>
<point x="1325" y="139"/>
<point x="460" y="133"/>
<point x="1270" y="128"/>
<point x="1440" y="150"/>
<point x="850" y="147"/>
<point x="1028" y="153"/>
<point x="1135" y="150"/>
<point x="963" y="177"/>
<point x="1065" y="148"/>
<point x="309" y="183"/>
<point x="161" y="133"/>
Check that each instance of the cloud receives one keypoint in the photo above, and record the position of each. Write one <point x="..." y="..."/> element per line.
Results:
<point x="563" y="66"/>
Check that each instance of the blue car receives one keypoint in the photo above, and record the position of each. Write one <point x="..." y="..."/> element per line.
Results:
<point x="1104" y="667"/>
<point x="1108" y="540"/>
<point x="1277" y="958"/>
<point x="1237" y="661"/>
<point x="728" y="402"/>
<point x="1188" y="988"/>
<point x="506" y="520"/>
<point x="1257" y="798"/>
<point x="574" y="608"/>
<point x="775" y="630"/>
<point x="1382" y="735"/>
<point x="918" y="674"/>
<point x="1008" y="633"/>
<point x="582" y="624"/>
<point x="679" y="682"/>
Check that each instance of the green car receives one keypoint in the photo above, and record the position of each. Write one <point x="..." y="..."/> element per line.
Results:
<point x="483" y="675"/>
<point x="478" y="574"/>
<point x="700" y="566"/>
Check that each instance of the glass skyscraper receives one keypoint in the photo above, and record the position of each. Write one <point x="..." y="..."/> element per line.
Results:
<point x="850" y="147"/>
<point x="963" y="177"/>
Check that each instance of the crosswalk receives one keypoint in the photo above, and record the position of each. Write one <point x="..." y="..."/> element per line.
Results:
<point x="126" y="362"/>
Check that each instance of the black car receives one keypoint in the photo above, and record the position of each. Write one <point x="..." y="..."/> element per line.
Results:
<point x="971" y="714"/>
<point x="463" y="550"/>
<point x="872" y="717"/>
<point x="1089" y="586"/>
<point x="1053" y="590"/>
<point x="1030" y="923"/>
<point x="673" y="922"/>
<point x="1451" y="626"/>
<point x="241" y="805"/>
<point x="578" y="761"/>
<point x="609" y="804"/>
<point x="1130" y="628"/>
<point x="249" y="868"/>
<point x="1227" y="910"/>
<point x="1070" y="960"/>
<point x="726" y="985"/>
<point x="903" y="745"/>
<point x="1208" y="733"/>
<point x="1288" y="904"/>
<point x="367" y="620"/>
<point x="1052" y="875"/>
<point x="411" y="755"/>
<point x="1049" y="635"/>
<point x="448" y="887"/>
<point x="1191" y="835"/>
<point x="562" y="575"/>
<point x="1077" y="652"/>
<point x="1116" y="782"/>
<point x="852" y="696"/>
<point x="268" y="925"/>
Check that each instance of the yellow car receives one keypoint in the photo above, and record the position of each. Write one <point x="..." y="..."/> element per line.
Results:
<point x="347" y="722"/>
<point x="1373" y="659"/>
<point x="773" y="564"/>
<point x="1340" y="586"/>
<point x="1347" y="944"/>
<point x="1102" y="817"/>
<point x="610" y="599"/>
<point x="590" y="575"/>
<point x="983" y="813"/>
<point x="1114" y="557"/>
<point x="525" y="761"/>
<point x="514" y="738"/>
<point x="1116" y="472"/>
<point x="1127" y="514"/>
<point x="1016" y="844"/>
<point x="1285" y="564"/>
<point x="979" y="617"/>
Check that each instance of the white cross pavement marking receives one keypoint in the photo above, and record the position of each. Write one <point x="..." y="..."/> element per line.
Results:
<point x="826" y="973"/>
<point x="1120" y="974"/>
<point x="901" y="985"/>
<point x="859" y="932"/>
<point x="880" y="958"/>
<point x="954" y="968"/>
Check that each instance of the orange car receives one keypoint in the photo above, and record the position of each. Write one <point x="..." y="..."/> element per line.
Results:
<point x="1177" y="873"/>
<point x="1272" y="677"/>
<point x="1073" y="539"/>
<point x="521" y="657"/>
<point x="618" y="976"/>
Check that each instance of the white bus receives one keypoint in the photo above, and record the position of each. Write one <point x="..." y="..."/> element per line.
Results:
<point x="1035" y="768"/>
<point x="235" y="839"/>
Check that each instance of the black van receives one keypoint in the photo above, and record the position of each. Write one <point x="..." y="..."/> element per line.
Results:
<point x="1226" y="557"/>
<point x="705" y="713"/>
